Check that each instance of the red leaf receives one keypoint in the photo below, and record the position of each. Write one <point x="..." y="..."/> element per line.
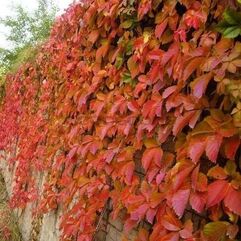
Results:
<point x="195" y="118"/>
<point x="140" y="212"/>
<point x="196" y="150"/>
<point x="129" y="224"/>
<point x="160" y="177"/>
<point x="181" y="177"/>
<point x="152" y="155"/>
<point x="198" y="201"/>
<point x="200" y="84"/>
<point x="233" y="201"/>
<point x="149" y="109"/>
<point x="172" y="51"/>
<point x="168" y="91"/>
<point x="195" y="177"/>
<point x="152" y="172"/>
<point x="133" y="106"/>
<point x="182" y="121"/>
<point x="143" y="8"/>
<point x="160" y="28"/>
<point x="186" y="233"/>
<point x="171" y="223"/>
<point x="179" y="201"/>
<point x="155" y="199"/>
<point x="191" y="67"/>
<point x="129" y="170"/>
<point x="216" y="192"/>
<point x="231" y="146"/>
<point x="150" y="215"/>
<point x="213" y="146"/>
<point x="72" y="152"/>
<point x="163" y="133"/>
<point x="155" y="54"/>
<point x="199" y="180"/>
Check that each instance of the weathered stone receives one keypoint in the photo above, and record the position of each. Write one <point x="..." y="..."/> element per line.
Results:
<point x="117" y="223"/>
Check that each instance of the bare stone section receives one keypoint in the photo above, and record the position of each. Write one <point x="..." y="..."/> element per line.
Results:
<point x="32" y="229"/>
<point x="9" y="229"/>
<point x="48" y="229"/>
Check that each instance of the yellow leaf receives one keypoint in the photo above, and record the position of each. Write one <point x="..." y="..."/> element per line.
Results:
<point x="150" y="143"/>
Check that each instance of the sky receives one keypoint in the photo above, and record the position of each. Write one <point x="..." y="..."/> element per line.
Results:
<point x="5" y="10"/>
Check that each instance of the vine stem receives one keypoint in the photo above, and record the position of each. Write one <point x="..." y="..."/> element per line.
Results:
<point x="100" y="219"/>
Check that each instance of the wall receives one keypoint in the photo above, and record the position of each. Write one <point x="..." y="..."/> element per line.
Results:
<point x="46" y="227"/>
<point x="32" y="229"/>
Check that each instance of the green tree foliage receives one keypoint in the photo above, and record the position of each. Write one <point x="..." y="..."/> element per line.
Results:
<point x="25" y="31"/>
<point x="29" y="29"/>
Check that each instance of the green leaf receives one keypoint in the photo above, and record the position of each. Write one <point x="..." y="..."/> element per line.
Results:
<point x="232" y="32"/>
<point x="119" y="62"/>
<point x="129" y="48"/>
<point x="126" y="79"/>
<point x="232" y="17"/>
<point x="215" y="231"/>
<point x="230" y="27"/>
<point x="230" y="167"/>
<point x="131" y="2"/>
<point x="222" y="26"/>
<point x="127" y="24"/>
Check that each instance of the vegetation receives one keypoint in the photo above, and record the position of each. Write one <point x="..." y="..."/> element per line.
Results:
<point x="230" y="26"/>
<point x="25" y="32"/>
<point x="137" y="104"/>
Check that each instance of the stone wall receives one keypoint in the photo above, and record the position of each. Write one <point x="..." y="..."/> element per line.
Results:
<point x="46" y="228"/>
<point x="9" y="228"/>
<point x="112" y="230"/>
<point x="33" y="229"/>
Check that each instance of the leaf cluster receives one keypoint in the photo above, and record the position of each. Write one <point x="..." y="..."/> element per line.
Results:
<point x="144" y="114"/>
<point x="230" y="26"/>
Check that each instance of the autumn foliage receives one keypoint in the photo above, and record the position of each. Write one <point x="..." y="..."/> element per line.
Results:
<point x="136" y="104"/>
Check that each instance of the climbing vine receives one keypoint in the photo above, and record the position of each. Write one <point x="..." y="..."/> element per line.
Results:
<point x="136" y="103"/>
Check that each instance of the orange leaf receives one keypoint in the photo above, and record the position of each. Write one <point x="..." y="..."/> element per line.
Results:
<point x="217" y="172"/>
<point x="133" y="67"/>
<point x="191" y="67"/>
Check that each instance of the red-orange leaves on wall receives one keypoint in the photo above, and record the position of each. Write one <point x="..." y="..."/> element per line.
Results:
<point x="134" y="106"/>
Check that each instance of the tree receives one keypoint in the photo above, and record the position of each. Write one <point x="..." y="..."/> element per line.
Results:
<point x="30" y="28"/>
<point x="26" y="31"/>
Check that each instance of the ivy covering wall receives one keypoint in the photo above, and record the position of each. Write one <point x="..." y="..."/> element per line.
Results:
<point x="133" y="104"/>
